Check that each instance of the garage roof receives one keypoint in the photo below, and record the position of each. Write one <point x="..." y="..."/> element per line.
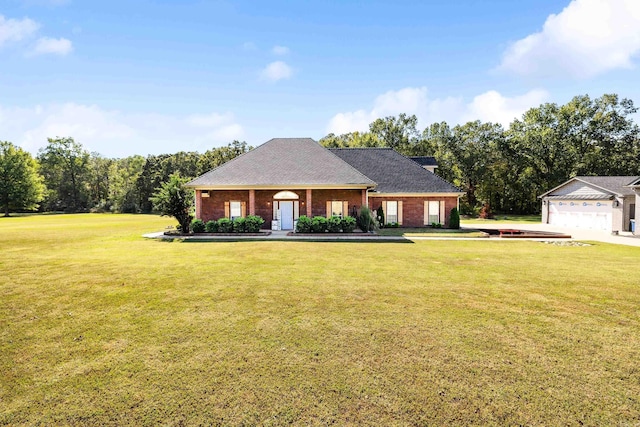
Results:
<point x="602" y="186"/>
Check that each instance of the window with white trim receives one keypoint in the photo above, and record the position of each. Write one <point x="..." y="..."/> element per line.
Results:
<point x="392" y="212"/>
<point x="235" y="210"/>
<point x="336" y="208"/>
<point x="434" y="212"/>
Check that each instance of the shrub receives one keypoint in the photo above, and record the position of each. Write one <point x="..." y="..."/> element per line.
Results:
<point x="304" y="224"/>
<point x="365" y="220"/>
<point x="380" y="216"/>
<point x="334" y="224"/>
<point x="393" y="225"/>
<point x="225" y="225"/>
<point x="348" y="224"/>
<point x="253" y="223"/>
<point x="436" y="225"/>
<point x="211" y="226"/>
<point x="319" y="224"/>
<point x="454" y="219"/>
<point x="197" y="226"/>
<point x="240" y="225"/>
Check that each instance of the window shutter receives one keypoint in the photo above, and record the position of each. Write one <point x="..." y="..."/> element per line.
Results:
<point x="426" y="212"/>
<point x="227" y="211"/>
<point x="329" y="209"/>
<point x="384" y="210"/>
<point x="442" y="213"/>
<point x="275" y="210"/>
<point x="296" y="209"/>
<point x="399" y="212"/>
<point x="243" y="209"/>
<point x="345" y="208"/>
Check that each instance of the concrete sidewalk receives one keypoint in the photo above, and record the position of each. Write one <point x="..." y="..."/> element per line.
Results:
<point x="575" y="233"/>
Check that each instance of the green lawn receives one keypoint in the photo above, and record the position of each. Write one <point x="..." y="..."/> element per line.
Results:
<point x="101" y="327"/>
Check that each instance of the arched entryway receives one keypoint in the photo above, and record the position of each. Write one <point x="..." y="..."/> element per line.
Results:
<point x="286" y="209"/>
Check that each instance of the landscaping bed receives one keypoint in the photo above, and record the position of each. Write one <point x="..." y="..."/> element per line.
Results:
<point x="178" y="234"/>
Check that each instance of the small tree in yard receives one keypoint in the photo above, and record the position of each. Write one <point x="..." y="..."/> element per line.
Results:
<point x="454" y="219"/>
<point x="174" y="199"/>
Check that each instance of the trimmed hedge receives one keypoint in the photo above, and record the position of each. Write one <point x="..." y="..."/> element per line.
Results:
<point x="211" y="226"/>
<point x="304" y="224"/>
<point x="248" y="224"/>
<point x="225" y="225"/>
<point x="348" y="224"/>
<point x="197" y="226"/>
<point x="320" y="224"/>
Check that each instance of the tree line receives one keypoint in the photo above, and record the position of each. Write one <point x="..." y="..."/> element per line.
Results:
<point x="65" y="177"/>
<point x="509" y="168"/>
<point x="504" y="168"/>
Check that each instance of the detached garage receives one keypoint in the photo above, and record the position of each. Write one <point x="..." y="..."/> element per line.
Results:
<point x="604" y="203"/>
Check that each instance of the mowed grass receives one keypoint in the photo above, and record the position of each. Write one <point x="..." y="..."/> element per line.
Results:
<point x="102" y="327"/>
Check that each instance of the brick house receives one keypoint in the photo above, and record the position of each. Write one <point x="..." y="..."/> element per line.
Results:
<point x="288" y="177"/>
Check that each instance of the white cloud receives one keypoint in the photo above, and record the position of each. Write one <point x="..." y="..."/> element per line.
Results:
<point x="275" y="71"/>
<point x="114" y="133"/>
<point x="46" y="45"/>
<point x="280" y="50"/>
<point x="490" y="106"/>
<point x="589" y="37"/>
<point x="14" y="30"/>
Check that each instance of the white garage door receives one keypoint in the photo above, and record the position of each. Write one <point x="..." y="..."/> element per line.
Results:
<point x="587" y="214"/>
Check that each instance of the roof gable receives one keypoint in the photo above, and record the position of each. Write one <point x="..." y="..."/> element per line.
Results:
<point x="593" y="187"/>
<point x="284" y="162"/>
<point x="393" y="172"/>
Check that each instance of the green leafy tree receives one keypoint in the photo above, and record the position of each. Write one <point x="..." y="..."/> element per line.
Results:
<point x="351" y="140"/>
<point x="65" y="166"/>
<point x="21" y="185"/>
<point x="473" y="149"/>
<point x="174" y="199"/>
<point x="399" y="133"/>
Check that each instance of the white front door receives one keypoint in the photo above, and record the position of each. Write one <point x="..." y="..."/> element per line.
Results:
<point x="286" y="215"/>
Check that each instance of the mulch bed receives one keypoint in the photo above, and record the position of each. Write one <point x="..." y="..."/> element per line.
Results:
<point x="262" y="233"/>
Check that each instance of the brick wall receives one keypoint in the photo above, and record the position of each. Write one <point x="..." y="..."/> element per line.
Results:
<point x="319" y="199"/>
<point x="413" y="208"/>
<point x="212" y="207"/>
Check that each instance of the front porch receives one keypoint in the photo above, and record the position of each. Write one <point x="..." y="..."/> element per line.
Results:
<point x="279" y="207"/>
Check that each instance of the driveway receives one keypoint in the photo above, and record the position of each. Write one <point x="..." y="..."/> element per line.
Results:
<point x="575" y="233"/>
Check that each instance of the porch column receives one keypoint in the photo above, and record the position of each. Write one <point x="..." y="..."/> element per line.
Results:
<point x="198" y="203"/>
<point x="365" y="202"/>
<point x="252" y="202"/>
<point x="309" y="203"/>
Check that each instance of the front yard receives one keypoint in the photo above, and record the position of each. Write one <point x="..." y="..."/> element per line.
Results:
<point x="102" y="327"/>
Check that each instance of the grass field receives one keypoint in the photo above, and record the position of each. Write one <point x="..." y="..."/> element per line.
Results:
<point x="101" y="327"/>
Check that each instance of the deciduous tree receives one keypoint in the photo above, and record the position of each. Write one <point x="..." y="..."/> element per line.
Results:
<point x="21" y="185"/>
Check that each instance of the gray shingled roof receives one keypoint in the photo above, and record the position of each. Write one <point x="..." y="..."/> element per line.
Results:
<point x="424" y="160"/>
<point x="393" y="172"/>
<point x="614" y="184"/>
<point x="287" y="162"/>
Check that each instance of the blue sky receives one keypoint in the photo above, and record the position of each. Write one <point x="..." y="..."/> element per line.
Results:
<point x="150" y="77"/>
